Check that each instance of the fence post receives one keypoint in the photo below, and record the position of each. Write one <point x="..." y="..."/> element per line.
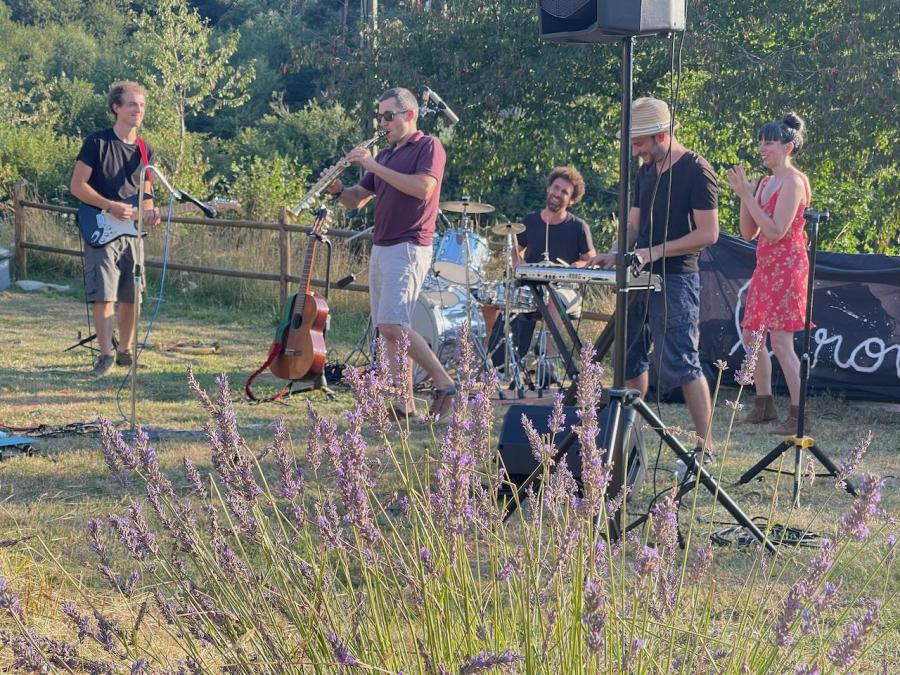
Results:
<point x="19" y="226"/>
<point x="284" y="251"/>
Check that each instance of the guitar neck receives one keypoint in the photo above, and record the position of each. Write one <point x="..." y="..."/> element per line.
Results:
<point x="306" y="274"/>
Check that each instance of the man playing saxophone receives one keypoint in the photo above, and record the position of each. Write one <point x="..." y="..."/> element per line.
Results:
<point x="405" y="178"/>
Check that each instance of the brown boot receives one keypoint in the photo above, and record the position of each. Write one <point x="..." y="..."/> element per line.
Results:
<point x="789" y="426"/>
<point x="763" y="410"/>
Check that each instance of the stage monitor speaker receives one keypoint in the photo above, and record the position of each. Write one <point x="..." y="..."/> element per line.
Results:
<point x="515" y="450"/>
<point x="608" y="20"/>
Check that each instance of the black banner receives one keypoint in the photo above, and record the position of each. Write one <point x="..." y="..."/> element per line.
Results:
<point x="855" y="342"/>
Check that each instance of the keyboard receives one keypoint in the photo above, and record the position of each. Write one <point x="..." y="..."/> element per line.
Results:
<point x="585" y="275"/>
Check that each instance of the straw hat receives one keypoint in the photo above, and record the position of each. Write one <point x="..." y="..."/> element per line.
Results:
<point x="649" y="116"/>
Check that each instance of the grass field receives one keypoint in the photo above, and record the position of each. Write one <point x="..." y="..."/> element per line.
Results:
<point x="48" y="497"/>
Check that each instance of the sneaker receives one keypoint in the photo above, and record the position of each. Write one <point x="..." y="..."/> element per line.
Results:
<point x="123" y="358"/>
<point x="103" y="366"/>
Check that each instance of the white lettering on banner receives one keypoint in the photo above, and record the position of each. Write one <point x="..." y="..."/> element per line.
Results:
<point x="737" y="320"/>
<point x="872" y="349"/>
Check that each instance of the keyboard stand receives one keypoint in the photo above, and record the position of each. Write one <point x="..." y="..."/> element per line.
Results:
<point x="564" y="351"/>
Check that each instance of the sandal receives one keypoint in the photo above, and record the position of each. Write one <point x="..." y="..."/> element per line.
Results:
<point x="401" y="413"/>
<point x="442" y="402"/>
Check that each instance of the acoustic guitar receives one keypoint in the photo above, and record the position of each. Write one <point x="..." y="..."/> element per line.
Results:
<point x="100" y="227"/>
<point x="301" y="331"/>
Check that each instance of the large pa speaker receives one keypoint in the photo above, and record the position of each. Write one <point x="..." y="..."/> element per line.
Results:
<point x="515" y="451"/>
<point x="608" y="20"/>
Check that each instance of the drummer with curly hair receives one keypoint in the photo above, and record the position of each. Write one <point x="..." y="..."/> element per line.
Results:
<point x="554" y="236"/>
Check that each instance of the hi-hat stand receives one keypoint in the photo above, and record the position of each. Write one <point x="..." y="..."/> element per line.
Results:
<point x="512" y="361"/>
<point x="800" y="441"/>
<point x="624" y="403"/>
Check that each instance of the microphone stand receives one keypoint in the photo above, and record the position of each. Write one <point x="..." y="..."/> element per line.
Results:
<point x="139" y="276"/>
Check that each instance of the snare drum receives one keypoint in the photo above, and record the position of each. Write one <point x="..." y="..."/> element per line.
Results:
<point x="455" y="249"/>
<point x="439" y="323"/>
<point x="521" y="297"/>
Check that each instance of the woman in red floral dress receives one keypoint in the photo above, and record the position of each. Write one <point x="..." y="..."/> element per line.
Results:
<point x="772" y="209"/>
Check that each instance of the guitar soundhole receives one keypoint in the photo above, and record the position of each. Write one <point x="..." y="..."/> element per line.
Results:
<point x="296" y="320"/>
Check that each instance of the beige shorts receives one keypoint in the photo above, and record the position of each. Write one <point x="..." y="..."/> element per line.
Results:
<point x="396" y="275"/>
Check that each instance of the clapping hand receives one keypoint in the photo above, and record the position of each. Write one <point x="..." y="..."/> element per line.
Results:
<point x="742" y="186"/>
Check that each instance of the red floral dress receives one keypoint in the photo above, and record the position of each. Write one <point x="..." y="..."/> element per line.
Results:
<point x="777" y="296"/>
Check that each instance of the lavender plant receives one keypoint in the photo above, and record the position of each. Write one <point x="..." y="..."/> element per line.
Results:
<point x="369" y="552"/>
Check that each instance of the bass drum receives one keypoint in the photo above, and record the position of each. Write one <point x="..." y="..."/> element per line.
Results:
<point x="438" y="316"/>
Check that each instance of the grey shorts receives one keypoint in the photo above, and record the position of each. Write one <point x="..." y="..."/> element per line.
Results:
<point x="396" y="275"/>
<point x="109" y="271"/>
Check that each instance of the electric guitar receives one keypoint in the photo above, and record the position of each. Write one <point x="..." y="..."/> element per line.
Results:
<point x="100" y="227"/>
<point x="300" y="338"/>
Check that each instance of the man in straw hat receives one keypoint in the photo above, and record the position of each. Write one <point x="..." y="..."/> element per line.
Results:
<point x="674" y="214"/>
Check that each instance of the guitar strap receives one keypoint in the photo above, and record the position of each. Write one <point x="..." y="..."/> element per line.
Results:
<point x="273" y="352"/>
<point x="145" y="157"/>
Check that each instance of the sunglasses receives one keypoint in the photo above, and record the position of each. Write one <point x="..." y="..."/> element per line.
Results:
<point x="389" y="115"/>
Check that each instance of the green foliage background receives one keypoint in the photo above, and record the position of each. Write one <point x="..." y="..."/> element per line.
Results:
<point x="256" y="96"/>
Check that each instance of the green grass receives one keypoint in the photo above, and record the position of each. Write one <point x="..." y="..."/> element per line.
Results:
<point x="51" y="495"/>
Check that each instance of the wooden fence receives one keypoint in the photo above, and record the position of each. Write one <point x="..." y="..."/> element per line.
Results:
<point x="284" y="228"/>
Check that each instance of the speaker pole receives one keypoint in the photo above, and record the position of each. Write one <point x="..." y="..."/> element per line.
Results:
<point x="624" y="190"/>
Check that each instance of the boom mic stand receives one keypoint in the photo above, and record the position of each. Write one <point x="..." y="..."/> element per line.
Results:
<point x="139" y="269"/>
<point x="800" y="441"/>
<point x="626" y="403"/>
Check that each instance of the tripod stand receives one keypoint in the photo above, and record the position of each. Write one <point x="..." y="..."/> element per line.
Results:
<point x="801" y="442"/>
<point x="626" y="403"/>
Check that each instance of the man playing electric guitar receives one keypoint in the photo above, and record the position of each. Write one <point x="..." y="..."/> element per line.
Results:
<point x="106" y="176"/>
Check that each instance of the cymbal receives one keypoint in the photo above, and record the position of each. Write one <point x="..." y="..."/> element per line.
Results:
<point x="466" y="207"/>
<point x="504" y="229"/>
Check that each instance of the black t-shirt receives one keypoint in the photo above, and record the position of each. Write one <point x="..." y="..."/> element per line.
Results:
<point x="694" y="188"/>
<point x="116" y="166"/>
<point x="567" y="240"/>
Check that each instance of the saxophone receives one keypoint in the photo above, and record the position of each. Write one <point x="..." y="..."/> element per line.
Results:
<point x="328" y="178"/>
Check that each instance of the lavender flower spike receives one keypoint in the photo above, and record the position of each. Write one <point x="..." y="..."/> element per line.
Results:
<point x="855" y="523"/>
<point x="745" y="374"/>
<point x="848" y="649"/>
<point x="10" y="601"/>
<point x="342" y="655"/>
<point x="849" y="465"/>
<point x="486" y="661"/>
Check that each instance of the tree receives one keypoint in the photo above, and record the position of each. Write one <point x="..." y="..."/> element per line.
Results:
<point x="184" y="63"/>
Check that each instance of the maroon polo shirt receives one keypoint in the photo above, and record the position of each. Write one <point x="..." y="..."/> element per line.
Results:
<point x="400" y="217"/>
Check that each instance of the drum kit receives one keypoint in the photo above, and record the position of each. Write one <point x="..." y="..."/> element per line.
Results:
<point x="460" y="283"/>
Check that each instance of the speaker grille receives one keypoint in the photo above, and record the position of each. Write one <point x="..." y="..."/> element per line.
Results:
<point x="563" y="9"/>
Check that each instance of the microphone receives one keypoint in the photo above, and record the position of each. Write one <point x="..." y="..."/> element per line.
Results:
<point x="208" y="211"/>
<point x="345" y="281"/>
<point x="429" y="94"/>
<point x="359" y="234"/>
